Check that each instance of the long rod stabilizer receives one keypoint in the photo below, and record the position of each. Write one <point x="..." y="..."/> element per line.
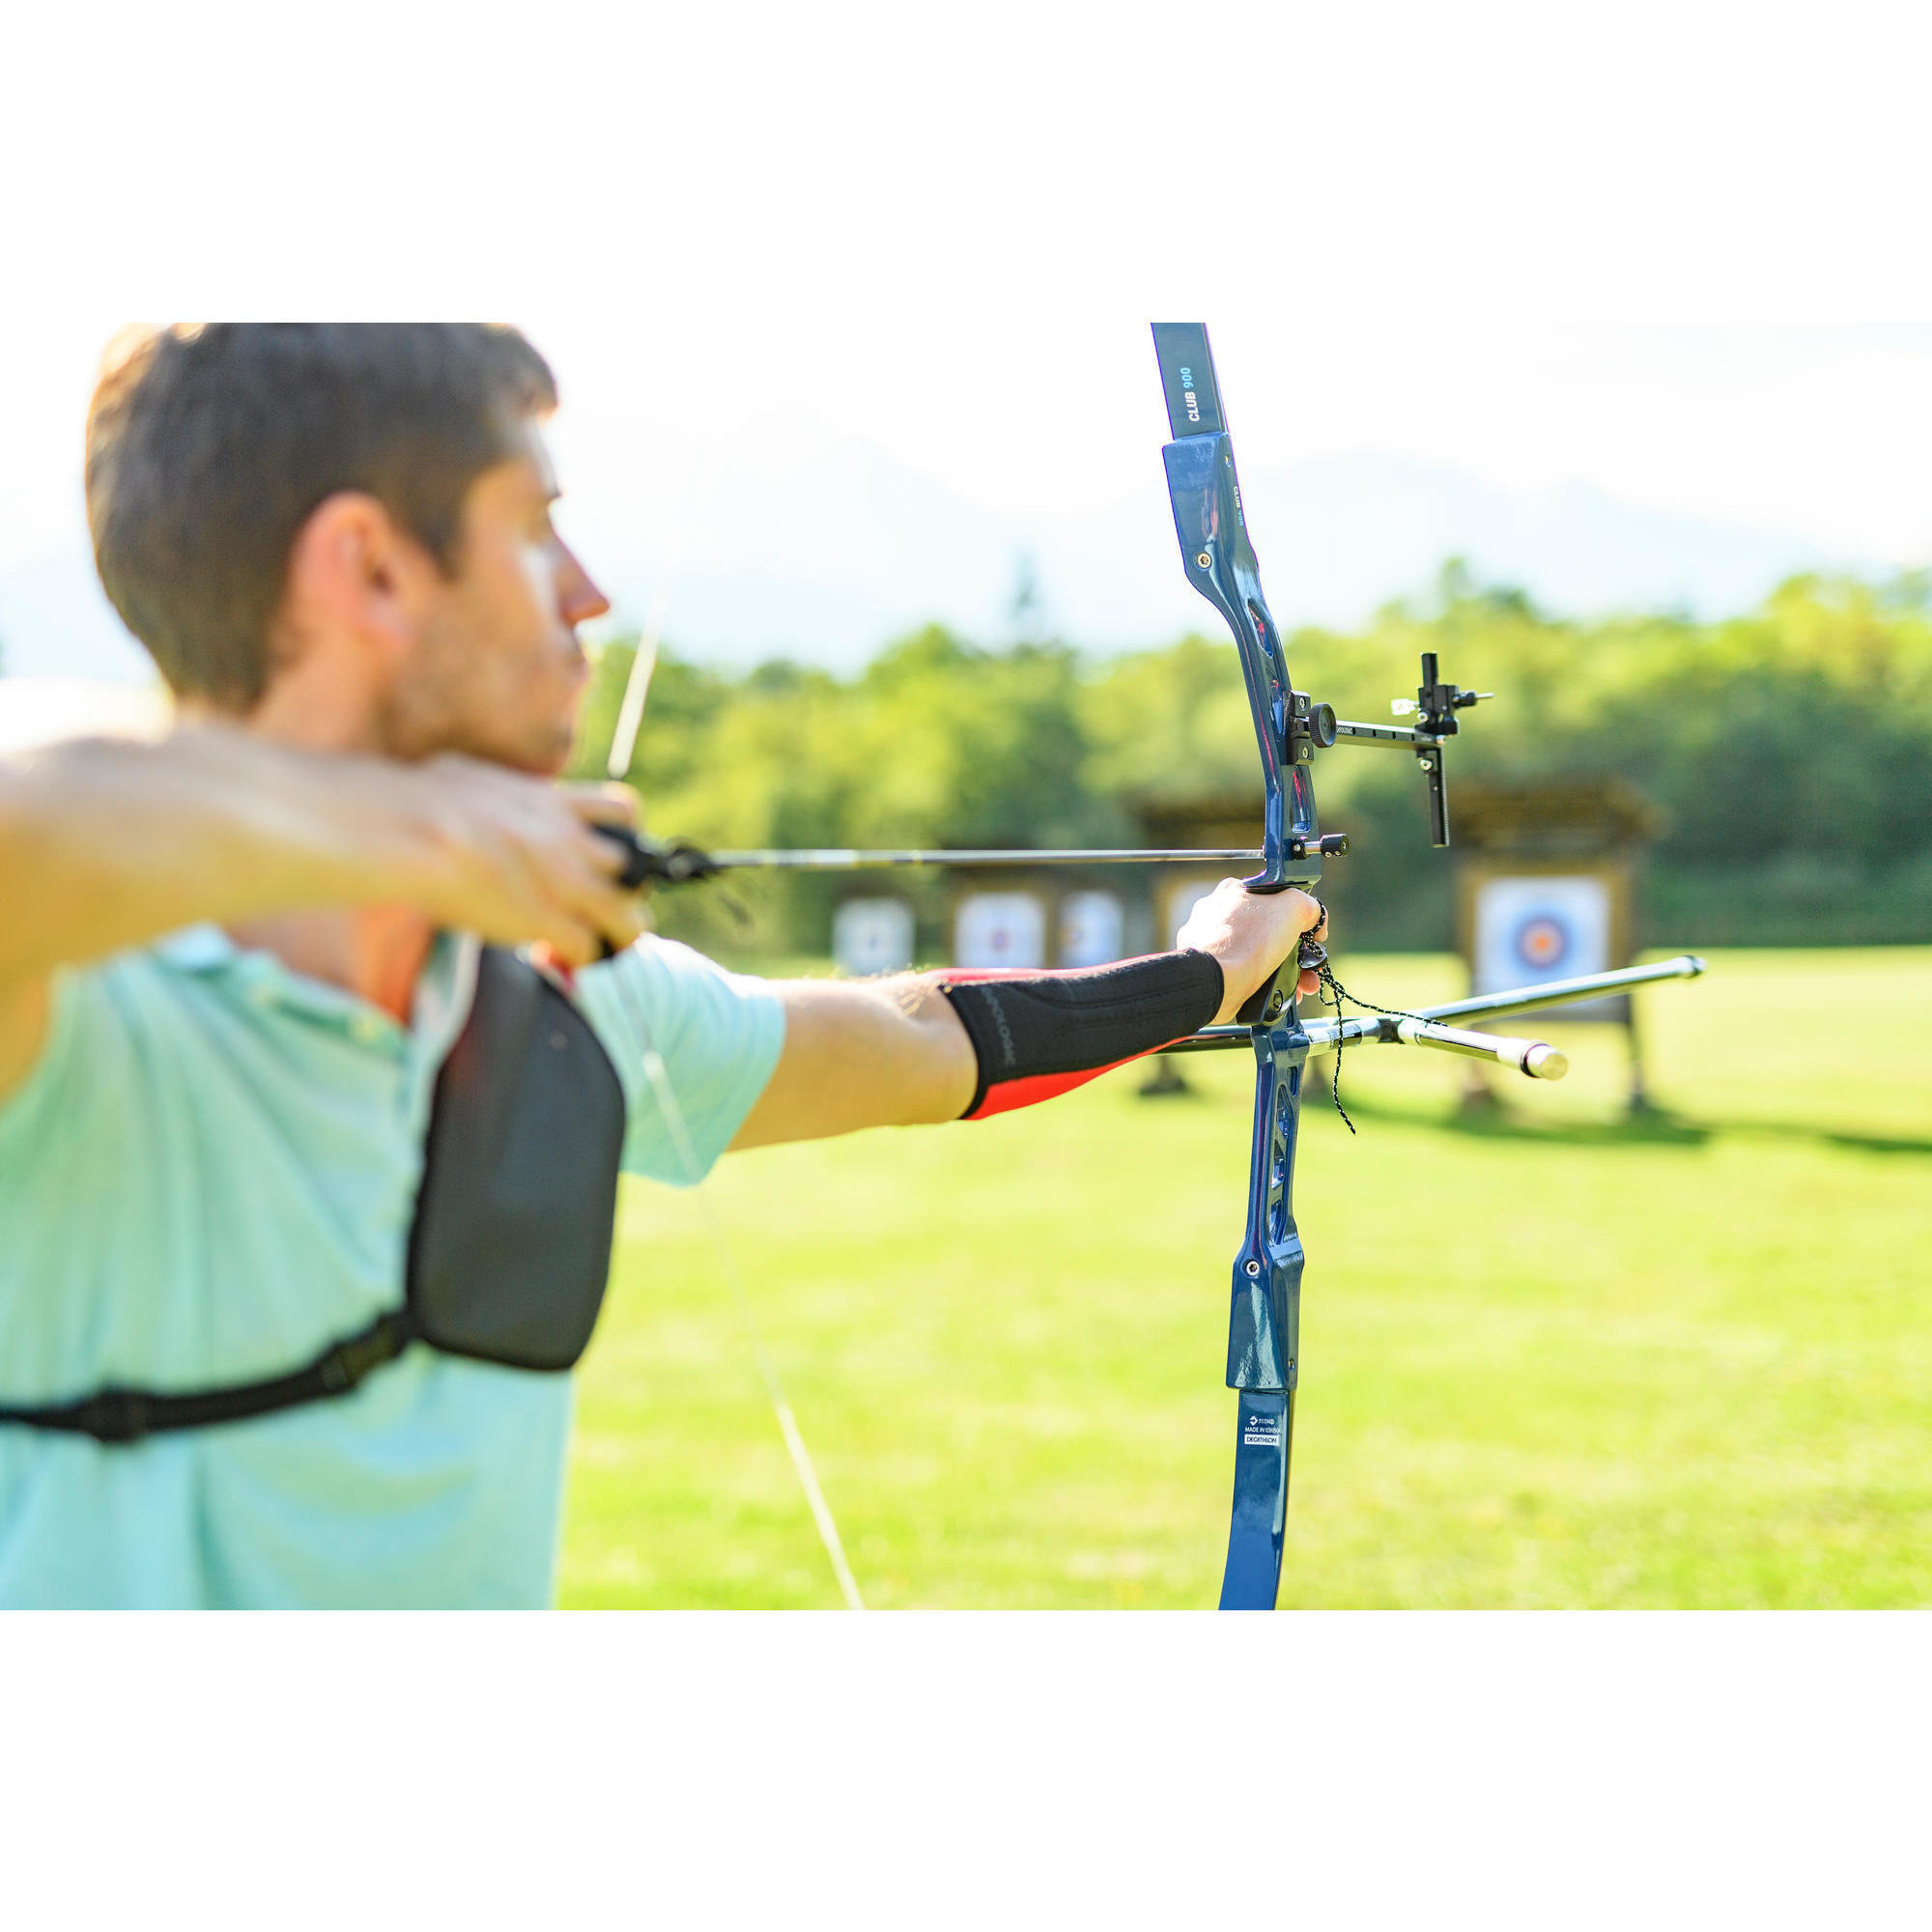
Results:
<point x="1561" y="992"/>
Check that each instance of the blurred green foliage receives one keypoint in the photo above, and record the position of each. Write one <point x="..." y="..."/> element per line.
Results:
<point x="1790" y="751"/>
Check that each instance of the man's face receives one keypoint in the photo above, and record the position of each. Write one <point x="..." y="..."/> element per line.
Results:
<point x="497" y="671"/>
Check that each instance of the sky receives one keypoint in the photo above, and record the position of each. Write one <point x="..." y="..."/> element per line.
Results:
<point x="1675" y="252"/>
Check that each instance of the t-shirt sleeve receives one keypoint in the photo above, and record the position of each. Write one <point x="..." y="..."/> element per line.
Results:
<point x="716" y="1037"/>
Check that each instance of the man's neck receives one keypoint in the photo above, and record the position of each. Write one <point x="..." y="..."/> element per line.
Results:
<point x="375" y="953"/>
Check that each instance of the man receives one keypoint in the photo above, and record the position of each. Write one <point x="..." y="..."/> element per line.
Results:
<point x="254" y="1346"/>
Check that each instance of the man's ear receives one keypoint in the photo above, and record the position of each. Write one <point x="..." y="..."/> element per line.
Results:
<point x="355" y="577"/>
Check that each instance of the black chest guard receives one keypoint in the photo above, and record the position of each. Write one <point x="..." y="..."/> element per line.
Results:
<point x="511" y="1246"/>
<point x="510" y="1249"/>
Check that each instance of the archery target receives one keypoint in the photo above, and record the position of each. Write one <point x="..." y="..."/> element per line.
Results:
<point x="873" y="936"/>
<point x="998" y="930"/>
<point x="1090" y="929"/>
<point x="1530" y="930"/>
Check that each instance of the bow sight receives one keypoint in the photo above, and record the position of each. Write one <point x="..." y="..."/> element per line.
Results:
<point x="1434" y="706"/>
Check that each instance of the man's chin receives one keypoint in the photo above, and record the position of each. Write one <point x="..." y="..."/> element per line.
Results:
<point x="541" y="759"/>
<point x="549" y="766"/>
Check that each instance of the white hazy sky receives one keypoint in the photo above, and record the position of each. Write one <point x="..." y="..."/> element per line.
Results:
<point x="1676" y="250"/>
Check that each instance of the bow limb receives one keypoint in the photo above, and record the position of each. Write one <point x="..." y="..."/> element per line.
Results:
<point x="1265" y="1300"/>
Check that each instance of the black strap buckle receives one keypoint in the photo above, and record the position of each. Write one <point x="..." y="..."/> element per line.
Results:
<point x="115" y="1416"/>
<point x="349" y="1362"/>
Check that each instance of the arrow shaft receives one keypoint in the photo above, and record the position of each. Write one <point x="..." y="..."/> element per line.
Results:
<point x="845" y="859"/>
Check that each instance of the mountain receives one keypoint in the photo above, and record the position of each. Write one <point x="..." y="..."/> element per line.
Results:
<point x="828" y="552"/>
<point x="793" y="539"/>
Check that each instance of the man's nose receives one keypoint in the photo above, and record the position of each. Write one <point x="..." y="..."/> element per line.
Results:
<point x="577" y="596"/>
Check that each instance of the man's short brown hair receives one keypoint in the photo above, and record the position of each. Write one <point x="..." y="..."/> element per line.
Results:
<point x="209" y="446"/>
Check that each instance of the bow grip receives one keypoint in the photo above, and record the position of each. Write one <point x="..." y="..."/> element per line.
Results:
<point x="1264" y="1004"/>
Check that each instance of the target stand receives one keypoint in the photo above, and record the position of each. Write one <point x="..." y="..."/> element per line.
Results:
<point x="1546" y="882"/>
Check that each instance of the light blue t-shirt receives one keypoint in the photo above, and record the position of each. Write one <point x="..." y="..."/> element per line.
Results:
<point x="209" y="1177"/>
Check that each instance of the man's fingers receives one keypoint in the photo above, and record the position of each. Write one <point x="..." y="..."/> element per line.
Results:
<point x="563" y="873"/>
<point x="586" y="914"/>
<point x="611" y="804"/>
<point x="601" y="803"/>
<point x="577" y="944"/>
<point x="611" y="911"/>
<point x="521" y="859"/>
<point x="1315" y="925"/>
<point x="591" y="900"/>
<point x="623" y="925"/>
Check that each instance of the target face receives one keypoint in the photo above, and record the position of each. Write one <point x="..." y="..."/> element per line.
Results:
<point x="995" y="929"/>
<point x="1542" y="943"/>
<point x="873" y="936"/>
<point x="1528" y="930"/>
<point x="1091" y="925"/>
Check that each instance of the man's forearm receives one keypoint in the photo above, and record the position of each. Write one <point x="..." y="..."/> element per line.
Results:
<point x="879" y="1053"/>
<point x="936" y="1046"/>
<point x="927" y="1047"/>
<point x="107" y="842"/>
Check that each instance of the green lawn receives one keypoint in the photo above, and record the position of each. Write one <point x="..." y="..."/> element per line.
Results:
<point x="1547" y="1360"/>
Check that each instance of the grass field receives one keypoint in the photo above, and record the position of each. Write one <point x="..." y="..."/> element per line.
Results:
<point x="1547" y="1358"/>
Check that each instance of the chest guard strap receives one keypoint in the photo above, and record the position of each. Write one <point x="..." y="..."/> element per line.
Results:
<point x="510" y="1249"/>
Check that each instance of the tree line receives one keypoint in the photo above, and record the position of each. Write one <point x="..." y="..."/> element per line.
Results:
<point x="1789" y="751"/>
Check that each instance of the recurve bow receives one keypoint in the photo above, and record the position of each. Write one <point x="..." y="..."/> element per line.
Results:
<point x="1289" y="729"/>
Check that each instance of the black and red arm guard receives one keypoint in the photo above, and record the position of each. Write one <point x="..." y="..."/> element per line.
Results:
<point x="1038" y="1032"/>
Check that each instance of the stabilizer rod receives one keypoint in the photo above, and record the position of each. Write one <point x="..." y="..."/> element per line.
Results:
<point x="1536" y="1058"/>
<point x="1321" y="1034"/>
<point x="1562" y="992"/>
